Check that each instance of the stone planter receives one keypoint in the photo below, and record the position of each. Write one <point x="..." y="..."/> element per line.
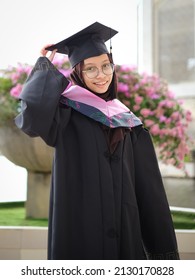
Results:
<point x="34" y="155"/>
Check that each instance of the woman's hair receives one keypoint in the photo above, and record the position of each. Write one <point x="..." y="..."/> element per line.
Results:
<point x="77" y="78"/>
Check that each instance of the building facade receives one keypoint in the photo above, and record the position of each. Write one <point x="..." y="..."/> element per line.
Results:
<point x="166" y="46"/>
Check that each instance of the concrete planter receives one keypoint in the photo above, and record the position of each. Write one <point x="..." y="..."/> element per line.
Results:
<point x="30" y="243"/>
<point x="34" y="155"/>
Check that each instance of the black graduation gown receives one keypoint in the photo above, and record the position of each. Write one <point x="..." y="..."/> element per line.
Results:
<point x="101" y="206"/>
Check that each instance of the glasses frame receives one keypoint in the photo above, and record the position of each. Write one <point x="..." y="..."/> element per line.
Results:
<point x="98" y="70"/>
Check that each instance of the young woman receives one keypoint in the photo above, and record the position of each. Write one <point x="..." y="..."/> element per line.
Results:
<point x="107" y="196"/>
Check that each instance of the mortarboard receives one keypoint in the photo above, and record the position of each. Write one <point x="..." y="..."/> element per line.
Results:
<point x="86" y="43"/>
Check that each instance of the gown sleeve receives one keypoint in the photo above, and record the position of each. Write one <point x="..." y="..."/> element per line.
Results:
<point x="156" y="222"/>
<point x="40" y="110"/>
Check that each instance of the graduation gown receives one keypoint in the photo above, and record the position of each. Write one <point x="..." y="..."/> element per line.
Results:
<point x="102" y="205"/>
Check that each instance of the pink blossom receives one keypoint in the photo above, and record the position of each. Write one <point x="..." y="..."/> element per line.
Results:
<point x="20" y="68"/>
<point x="182" y="150"/>
<point x="167" y="103"/>
<point x="173" y="132"/>
<point x="23" y="69"/>
<point x="14" y="77"/>
<point x="150" y="91"/>
<point x="163" y="132"/>
<point x="15" y="91"/>
<point x="188" y="116"/>
<point x="154" y="129"/>
<point x="181" y="165"/>
<point x="168" y="121"/>
<point x="171" y="161"/>
<point x="127" y="94"/>
<point x="19" y="73"/>
<point x="122" y="87"/>
<point x="59" y="60"/>
<point x="127" y="68"/>
<point x="176" y="115"/>
<point x="143" y="81"/>
<point x="180" y="131"/>
<point x="136" y="87"/>
<point x="136" y="108"/>
<point x="138" y="99"/>
<point x="162" y="118"/>
<point x="145" y="112"/>
<point x="65" y="72"/>
<point x="154" y="96"/>
<point x="159" y="112"/>
<point x="181" y="102"/>
<point x="149" y="123"/>
<point x="170" y="94"/>
<point x="126" y="102"/>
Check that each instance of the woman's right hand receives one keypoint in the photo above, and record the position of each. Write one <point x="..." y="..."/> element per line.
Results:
<point x="44" y="52"/>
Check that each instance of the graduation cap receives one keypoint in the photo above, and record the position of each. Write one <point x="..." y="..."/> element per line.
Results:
<point x="86" y="43"/>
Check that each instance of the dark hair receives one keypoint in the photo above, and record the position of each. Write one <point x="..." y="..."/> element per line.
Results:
<point x="77" y="78"/>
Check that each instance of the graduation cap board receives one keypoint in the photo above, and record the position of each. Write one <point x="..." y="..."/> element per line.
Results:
<point x="86" y="43"/>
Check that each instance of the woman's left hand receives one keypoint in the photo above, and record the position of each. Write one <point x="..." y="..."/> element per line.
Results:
<point x="44" y="52"/>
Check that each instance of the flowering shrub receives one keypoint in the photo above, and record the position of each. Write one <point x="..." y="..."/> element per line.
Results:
<point x="11" y="82"/>
<point x="147" y="96"/>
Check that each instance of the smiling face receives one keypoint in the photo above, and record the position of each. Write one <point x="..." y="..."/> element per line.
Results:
<point x="100" y="83"/>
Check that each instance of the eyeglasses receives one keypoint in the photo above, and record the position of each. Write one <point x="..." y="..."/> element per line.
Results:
<point x="92" y="71"/>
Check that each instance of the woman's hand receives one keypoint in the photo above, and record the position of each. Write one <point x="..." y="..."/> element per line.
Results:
<point x="44" y="52"/>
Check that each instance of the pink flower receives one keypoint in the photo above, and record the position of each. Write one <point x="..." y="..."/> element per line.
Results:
<point x="127" y="94"/>
<point x="143" y="81"/>
<point x="181" y="165"/>
<point x="59" y="60"/>
<point x="150" y="91"/>
<point x="154" y="129"/>
<point x="65" y="72"/>
<point x="182" y="150"/>
<point x="149" y="123"/>
<point x="168" y="121"/>
<point x="155" y="96"/>
<point x="122" y="87"/>
<point x="176" y="115"/>
<point x="188" y="116"/>
<point x="162" y="119"/>
<point x="181" y="102"/>
<point x="14" y="77"/>
<point x="145" y="112"/>
<point x="170" y="94"/>
<point x="136" y="108"/>
<point x="167" y="103"/>
<point x="15" y="91"/>
<point x="126" y="102"/>
<point x="127" y="68"/>
<point x="171" y="161"/>
<point x="136" y="87"/>
<point x="19" y="74"/>
<point x="138" y="99"/>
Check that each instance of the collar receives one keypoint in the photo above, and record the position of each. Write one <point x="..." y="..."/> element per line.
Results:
<point x="112" y="113"/>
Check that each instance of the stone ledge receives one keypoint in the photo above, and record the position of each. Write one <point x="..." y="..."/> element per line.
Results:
<point x="173" y="172"/>
<point x="30" y="243"/>
<point x="24" y="243"/>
